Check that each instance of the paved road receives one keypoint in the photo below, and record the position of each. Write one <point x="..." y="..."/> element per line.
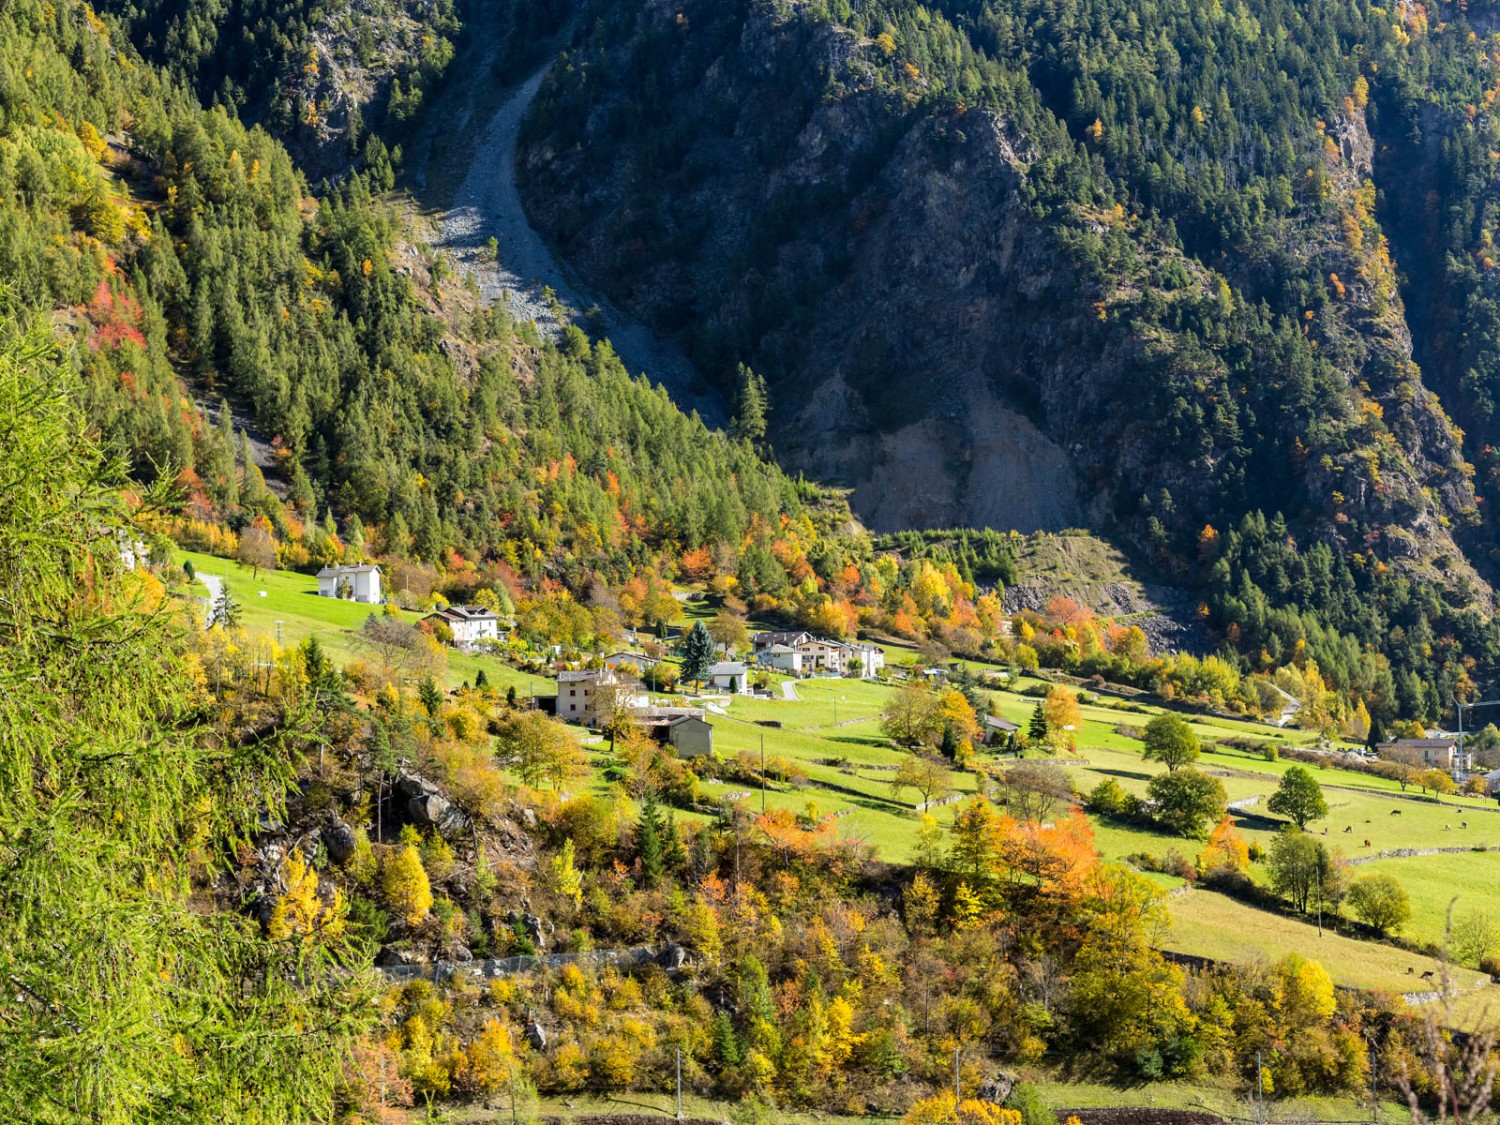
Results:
<point x="789" y="690"/>
<point x="213" y="583"/>
<point x="486" y="204"/>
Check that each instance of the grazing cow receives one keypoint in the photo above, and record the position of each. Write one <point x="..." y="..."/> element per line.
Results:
<point x="1427" y="975"/>
<point x="1367" y="843"/>
<point x="1395" y="812"/>
<point x="1350" y="827"/>
<point x="1463" y="824"/>
<point x="1447" y="828"/>
<point x="1411" y="970"/>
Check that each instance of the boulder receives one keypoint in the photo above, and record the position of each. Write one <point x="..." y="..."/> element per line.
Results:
<point x="671" y="957"/>
<point x="339" y="840"/>
<point x="424" y="803"/>
<point x="390" y="956"/>
<point x="536" y="1036"/>
<point x="997" y="1089"/>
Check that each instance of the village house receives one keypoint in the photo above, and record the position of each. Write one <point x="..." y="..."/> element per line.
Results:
<point x="469" y="624"/>
<point x="682" y="728"/>
<point x="580" y="694"/>
<point x="732" y="676"/>
<point x="630" y="662"/>
<point x="801" y="653"/>
<point x="1424" y="753"/>
<point x="782" y="658"/>
<point x="998" y="729"/>
<point x="359" y="583"/>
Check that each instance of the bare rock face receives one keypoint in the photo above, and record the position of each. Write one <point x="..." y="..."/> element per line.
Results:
<point x="425" y="804"/>
<point x="943" y="344"/>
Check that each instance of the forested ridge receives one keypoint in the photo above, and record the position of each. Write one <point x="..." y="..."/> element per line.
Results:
<point x="1212" y="233"/>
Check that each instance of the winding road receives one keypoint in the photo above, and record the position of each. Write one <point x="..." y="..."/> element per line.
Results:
<point x="477" y="161"/>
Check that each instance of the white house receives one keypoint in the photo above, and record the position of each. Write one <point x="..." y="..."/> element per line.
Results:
<point x="870" y="660"/>
<point x="356" y="583"/>
<point x="783" y="658"/>
<point x="470" y="624"/>
<point x="732" y="676"/>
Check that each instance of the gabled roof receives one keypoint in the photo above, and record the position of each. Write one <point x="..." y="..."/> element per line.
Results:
<point x="340" y="571"/>
<point x="995" y="722"/>
<point x="586" y="676"/>
<point x="780" y="650"/>
<point x="783" y="638"/>
<point x="469" y="613"/>
<point x="729" y="668"/>
<point x="1423" y="743"/>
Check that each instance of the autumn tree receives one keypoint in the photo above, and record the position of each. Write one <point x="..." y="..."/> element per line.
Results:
<point x="1226" y="853"/>
<point x="406" y="885"/>
<point x="910" y="718"/>
<point x="539" y="748"/>
<point x="1063" y="716"/>
<point x="257" y="550"/>
<point x="728" y="631"/>
<point x="927" y="775"/>
<point x="1300" y="868"/>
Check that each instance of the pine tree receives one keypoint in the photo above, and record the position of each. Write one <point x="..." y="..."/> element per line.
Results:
<point x="123" y="1000"/>
<point x="674" y="855"/>
<point x="430" y="696"/>
<point x="948" y="747"/>
<point x="481" y="681"/>
<point x="648" y="841"/>
<point x="226" y="611"/>
<point x="1036" y="730"/>
<point x="697" y="654"/>
<point x="750" y="406"/>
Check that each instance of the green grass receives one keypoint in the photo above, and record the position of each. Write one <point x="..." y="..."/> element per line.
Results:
<point x="1208" y="924"/>
<point x="291" y="601"/>
<point x="1434" y="881"/>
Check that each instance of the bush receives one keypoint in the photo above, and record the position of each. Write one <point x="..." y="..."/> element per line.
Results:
<point x="1026" y="1099"/>
<point x="1257" y="852"/>
<point x="1269" y="753"/>
<point x="1108" y="798"/>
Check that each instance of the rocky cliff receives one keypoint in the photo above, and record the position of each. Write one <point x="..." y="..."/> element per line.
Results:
<point x="960" y="326"/>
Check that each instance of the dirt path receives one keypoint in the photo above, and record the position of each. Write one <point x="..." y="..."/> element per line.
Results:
<point x="468" y="180"/>
<point x="214" y="585"/>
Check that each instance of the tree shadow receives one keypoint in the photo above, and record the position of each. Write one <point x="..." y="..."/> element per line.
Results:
<point x="1136" y="774"/>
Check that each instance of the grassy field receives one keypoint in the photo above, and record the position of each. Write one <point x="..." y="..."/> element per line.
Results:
<point x="1207" y="924"/>
<point x="1468" y="881"/>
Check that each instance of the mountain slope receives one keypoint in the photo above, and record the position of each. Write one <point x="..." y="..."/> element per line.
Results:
<point x="1039" y="261"/>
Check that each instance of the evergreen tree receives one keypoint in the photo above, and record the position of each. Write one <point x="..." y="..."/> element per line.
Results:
<point x="123" y="1001"/>
<point x="226" y="611"/>
<point x="697" y="654"/>
<point x="751" y="404"/>
<point x="430" y="696"/>
<point x="481" y="680"/>
<point x="1036" y="729"/>
<point x="648" y="841"/>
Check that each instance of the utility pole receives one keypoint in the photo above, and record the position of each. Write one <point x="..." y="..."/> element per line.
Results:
<point x="278" y="634"/>
<point x="679" y="1083"/>
<point x="1318" y="875"/>
<point x="957" y="1092"/>
<point x="763" y="773"/>
<point x="1260" y="1091"/>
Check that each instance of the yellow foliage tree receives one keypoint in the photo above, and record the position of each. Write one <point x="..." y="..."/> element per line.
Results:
<point x="406" y="885"/>
<point x="1226" y="850"/>
<point x="945" y="1109"/>
<point x="300" y="912"/>
<point x="490" y="1060"/>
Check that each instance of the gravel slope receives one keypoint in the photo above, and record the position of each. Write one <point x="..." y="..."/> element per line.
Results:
<point x="486" y="204"/>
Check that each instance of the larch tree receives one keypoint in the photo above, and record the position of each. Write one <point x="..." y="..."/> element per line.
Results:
<point x="119" y="795"/>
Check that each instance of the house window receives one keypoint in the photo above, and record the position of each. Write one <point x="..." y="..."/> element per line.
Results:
<point x="571" y="691"/>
